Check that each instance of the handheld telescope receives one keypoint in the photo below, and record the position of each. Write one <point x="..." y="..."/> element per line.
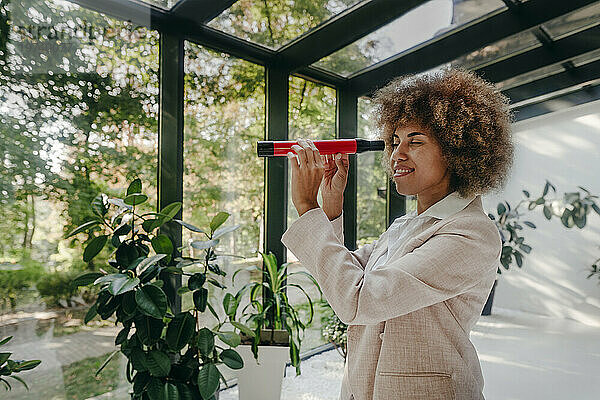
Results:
<point x="348" y="146"/>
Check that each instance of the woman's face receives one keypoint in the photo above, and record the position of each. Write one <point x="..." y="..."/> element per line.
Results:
<point x="416" y="150"/>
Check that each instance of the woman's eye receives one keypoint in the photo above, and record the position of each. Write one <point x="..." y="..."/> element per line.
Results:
<point x="413" y="142"/>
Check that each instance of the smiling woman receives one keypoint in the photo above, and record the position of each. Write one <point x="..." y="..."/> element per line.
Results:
<point x="411" y="297"/>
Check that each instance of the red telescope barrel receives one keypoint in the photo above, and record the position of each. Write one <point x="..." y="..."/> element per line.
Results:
<point x="348" y="146"/>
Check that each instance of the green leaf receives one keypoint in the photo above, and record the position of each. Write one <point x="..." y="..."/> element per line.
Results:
<point x="138" y="359"/>
<point x="155" y="389"/>
<point x="525" y="248"/>
<point x="150" y="261"/>
<point x="99" y="205"/>
<point x="189" y="226"/>
<point x="162" y="245"/>
<point x="158" y="363"/>
<point x="170" y="211"/>
<point x="526" y="193"/>
<point x="170" y="392"/>
<point x="208" y="380"/>
<point x="123" y="284"/>
<point x="91" y="313"/>
<point x="184" y="392"/>
<point x="148" y="329"/>
<point x="230" y="338"/>
<point x="83" y="227"/>
<point x="223" y="230"/>
<point x="200" y="299"/>
<point x="151" y="224"/>
<point x="135" y="199"/>
<point x="540" y="201"/>
<point x="196" y="281"/>
<point x="529" y="224"/>
<point x="501" y="209"/>
<point x="183" y="290"/>
<point x="4" y="357"/>
<point x="547" y="212"/>
<point x="128" y="304"/>
<point x="122" y="230"/>
<point x="218" y="220"/>
<point x="596" y="208"/>
<point x="216" y="283"/>
<point x="105" y="363"/>
<point x="150" y="273"/>
<point x="27" y="365"/>
<point x="19" y="380"/>
<point x="109" y="278"/>
<point x="206" y="341"/>
<point x="94" y="247"/>
<point x="204" y="244"/>
<point x="134" y="187"/>
<point x="243" y="328"/>
<point x="126" y="254"/>
<point x="5" y="340"/>
<point x="232" y="359"/>
<point x="567" y="218"/>
<point x="546" y="188"/>
<point x="180" y="330"/>
<point x="518" y="258"/>
<point x="85" y="279"/>
<point x="230" y="305"/>
<point x="152" y="301"/>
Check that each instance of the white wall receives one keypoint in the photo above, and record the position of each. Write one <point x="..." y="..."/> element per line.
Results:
<point x="563" y="147"/>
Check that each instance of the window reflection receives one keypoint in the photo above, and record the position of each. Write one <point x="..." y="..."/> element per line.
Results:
<point x="78" y="116"/>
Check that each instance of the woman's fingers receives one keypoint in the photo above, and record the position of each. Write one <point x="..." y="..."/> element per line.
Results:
<point x="301" y="155"/>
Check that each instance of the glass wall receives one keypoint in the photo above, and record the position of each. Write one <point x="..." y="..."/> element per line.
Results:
<point x="78" y="116"/>
<point x="371" y="181"/>
<point x="224" y="117"/>
<point x="312" y="115"/>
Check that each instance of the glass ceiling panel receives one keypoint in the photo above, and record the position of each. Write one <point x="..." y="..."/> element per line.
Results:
<point x="411" y="29"/>
<point x="165" y="4"/>
<point x="501" y="49"/>
<point x="574" y="22"/>
<point x="273" y="23"/>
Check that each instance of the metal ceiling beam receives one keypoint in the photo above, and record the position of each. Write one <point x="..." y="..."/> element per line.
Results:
<point x="201" y="11"/>
<point x="334" y="34"/>
<point x="553" y="83"/>
<point x="580" y="96"/>
<point x="466" y="39"/>
<point x="558" y="51"/>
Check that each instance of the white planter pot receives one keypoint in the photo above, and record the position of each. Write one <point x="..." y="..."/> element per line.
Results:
<point x="262" y="381"/>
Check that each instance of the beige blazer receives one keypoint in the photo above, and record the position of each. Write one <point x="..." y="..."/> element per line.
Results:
<point x="408" y="319"/>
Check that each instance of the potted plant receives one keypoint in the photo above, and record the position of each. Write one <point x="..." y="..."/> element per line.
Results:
<point x="333" y="330"/>
<point x="572" y="209"/>
<point x="9" y="368"/>
<point x="169" y="355"/>
<point x="278" y="329"/>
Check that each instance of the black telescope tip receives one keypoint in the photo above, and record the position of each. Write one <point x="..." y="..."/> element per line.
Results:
<point x="265" y="149"/>
<point x="369" y="145"/>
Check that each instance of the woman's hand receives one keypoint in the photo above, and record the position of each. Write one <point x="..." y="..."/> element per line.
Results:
<point x="334" y="183"/>
<point x="307" y="173"/>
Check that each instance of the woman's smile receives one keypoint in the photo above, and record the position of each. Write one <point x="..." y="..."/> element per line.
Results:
<point x="399" y="173"/>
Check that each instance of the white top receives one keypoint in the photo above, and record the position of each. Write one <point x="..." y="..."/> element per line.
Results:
<point x="407" y="226"/>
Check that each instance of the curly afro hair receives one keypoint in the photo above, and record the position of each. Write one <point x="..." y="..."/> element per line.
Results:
<point x="466" y="115"/>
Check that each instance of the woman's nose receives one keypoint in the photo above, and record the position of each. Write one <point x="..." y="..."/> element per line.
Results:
<point x="399" y="153"/>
